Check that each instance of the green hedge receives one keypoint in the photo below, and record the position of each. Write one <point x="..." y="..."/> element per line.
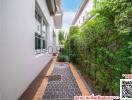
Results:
<point x="102" y="46"/>
<point x="62" y="58"/>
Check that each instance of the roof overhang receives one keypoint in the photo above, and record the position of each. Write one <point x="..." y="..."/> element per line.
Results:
<point x="58" y="19"/>
<point x="51" y="6"/>
<point x="82" y="6"/>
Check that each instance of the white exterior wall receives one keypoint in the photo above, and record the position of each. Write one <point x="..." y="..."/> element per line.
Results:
<point x="55" y="41"/>
<point x="52" y="28"/>
<point x="0" y="57"/>
<point x="86" y="10"/>
<point x="57" y="36"/>
<point x="18" y="64"/>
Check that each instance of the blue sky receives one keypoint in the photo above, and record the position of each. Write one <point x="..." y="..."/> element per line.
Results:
<point x="69" y="8"/>
<point x="70" y="5"/>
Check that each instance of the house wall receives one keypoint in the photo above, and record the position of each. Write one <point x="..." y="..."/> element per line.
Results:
<point x="18" y="64"/>
<point x="57" y="36"/>
<point x="0" y="53"/>
<point x="86" y="10"/>
<point x="0" y="16"/>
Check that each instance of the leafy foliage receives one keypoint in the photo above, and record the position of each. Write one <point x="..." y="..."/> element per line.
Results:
<point x="61" y="37"/>
<point x="62" y="57"/>
<point x="71" y="44"/>
<point x="102" y="46"/>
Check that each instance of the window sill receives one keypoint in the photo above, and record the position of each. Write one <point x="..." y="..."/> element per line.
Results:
<point x="40" y="54"/>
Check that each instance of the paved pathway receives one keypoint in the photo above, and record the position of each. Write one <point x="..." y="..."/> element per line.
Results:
<point x="61" y="84"/>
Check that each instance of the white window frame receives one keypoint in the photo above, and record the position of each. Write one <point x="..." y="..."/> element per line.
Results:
<point x="42" y="35"/>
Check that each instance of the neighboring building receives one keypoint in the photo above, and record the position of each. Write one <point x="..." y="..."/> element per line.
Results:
<point x="83" y="12"/>
<point x="27" y="29"/>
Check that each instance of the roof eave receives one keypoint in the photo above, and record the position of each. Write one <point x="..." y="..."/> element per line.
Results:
<point x="82" y="6"/>
<point x="51" y="6"/>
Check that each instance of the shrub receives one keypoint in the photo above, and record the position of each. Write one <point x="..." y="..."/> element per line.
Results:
<point x="62" y="58"/>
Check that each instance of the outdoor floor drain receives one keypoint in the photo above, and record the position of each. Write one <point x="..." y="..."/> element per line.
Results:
<point x="54" y="78"/>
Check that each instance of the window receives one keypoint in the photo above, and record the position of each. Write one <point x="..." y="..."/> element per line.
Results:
<point x="40" y="33"/>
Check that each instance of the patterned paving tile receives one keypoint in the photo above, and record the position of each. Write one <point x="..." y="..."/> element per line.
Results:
<point x="64" y="88"/>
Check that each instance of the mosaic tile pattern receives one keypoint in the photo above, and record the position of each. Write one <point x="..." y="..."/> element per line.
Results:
<point x="64" y="88"/>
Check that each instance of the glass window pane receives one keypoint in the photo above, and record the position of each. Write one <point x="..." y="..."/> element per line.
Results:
<point x="36" y="43"/>
<point x="39" y="18"/>
<point x="35" y="14"/>
<point x="43" y="44"/>
<point x="40" y="33"/>
<point x="39" y="43"/>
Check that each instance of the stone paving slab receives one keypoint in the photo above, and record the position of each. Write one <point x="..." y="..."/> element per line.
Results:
<point x="65" y="88"/>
